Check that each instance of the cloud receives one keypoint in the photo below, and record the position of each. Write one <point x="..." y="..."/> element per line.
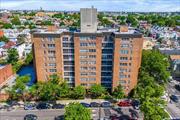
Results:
<point x="102" y="5"/>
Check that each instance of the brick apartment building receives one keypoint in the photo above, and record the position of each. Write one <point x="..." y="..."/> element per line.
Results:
<point x="90" y="56"/>
<point x="5" y="73"/>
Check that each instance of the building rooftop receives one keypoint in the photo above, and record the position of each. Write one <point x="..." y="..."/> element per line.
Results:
<point x="2" y="66"/>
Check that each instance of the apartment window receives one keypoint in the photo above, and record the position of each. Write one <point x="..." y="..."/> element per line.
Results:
<point x="52" y="58"/>
<point x="50" y="38"/>
<point x="107" y="62"/>
<point x="65" y="38"/>
<point x="107" y="56"/>
<point x="83" y="62"/>
<point x="92" y="73"/>
<point x="68" y="73"/>
<point x="124" y="51"/>
<point x="92" y="44"/>
<point x="107" y="45"/>
<point x="51" y="52"/>
<point x="44" y="45"/>
<point x="68" y="63"/>
<point x="68" y="56"/>
<point x="84" y="74"/>
<point x="123" y="58"/>
<point x="88" y="38"/>
<point x="106" y="79"/>
<point x="107" y="51"/>
<point x="68" y="68"/>
<point x="106" y="73"/>
<point x="123" y="64"/>
<point x="123" y="70"/>
<point x="68" y="45"/>
<point x="125" y="39"/>
<point x="68" y="50"/>
<point x="83" y="50"/>
<point x="122" y="81"/>
<point x="92" y="68"/>
<point x="84" y="84"/>
<point x="124" y="45"/>
<point x="122" y="76"/>
<point x="92" y="50"/>
<point x="84" y="68"/>
<point x="83" y="56"/>
<point x="51" y="45"/>
<point x="106" y="68"/>
<point x="92" y="62"/>
<point x="92" y="79"/>
<point x="84" y="79"/>
<point x="92" y="56"/>
<point x="52" y="70"/>
<point x="83" y="44"/>
<point x="52" y="64"/>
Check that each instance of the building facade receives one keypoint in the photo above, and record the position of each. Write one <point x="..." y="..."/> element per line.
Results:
<point x="5" y="73"/>
<point x="89" y="57"/>
<point x="107" y="58"/>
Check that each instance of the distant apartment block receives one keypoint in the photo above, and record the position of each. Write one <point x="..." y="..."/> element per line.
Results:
<point x="87" y="58"/>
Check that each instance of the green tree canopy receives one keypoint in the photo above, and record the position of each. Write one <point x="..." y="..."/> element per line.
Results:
<point x="12" y="56"/>
<point x="4" y="39"/>
<point x="16" y="20"/>
<point x="75" y="111"/>
<point x="97" y="90"/>
<point x="78" y="92"/>
<point x="118" y="92"/>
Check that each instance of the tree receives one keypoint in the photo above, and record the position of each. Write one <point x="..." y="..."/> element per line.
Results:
<point x="97" y="90"/>
<point x="29" y="58"/>
<point x="21" y="38"/>
<point x="155" y="64"/>
<point x="17" y="91"/>
<point x="75" y="111"/>
<point x="4" y="39"/>
<point x="47" y="22"/>
<point x="12" y="56"/>
<point x="78" y="92"/>
<point x="7" y="26"/>
<point x="16" y="21"/>
<point x="118" y="92"/>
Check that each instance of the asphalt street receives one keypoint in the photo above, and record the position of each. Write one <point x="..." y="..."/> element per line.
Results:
<point x="19" y="114"/>
<point x="172" y="107"/>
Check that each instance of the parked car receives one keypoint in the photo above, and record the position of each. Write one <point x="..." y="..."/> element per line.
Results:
<point x="94" y="104"/>
<point x="105" y="104"/>
<point x="61" y="117"/>
<point x="136" y="104"/>
<point x="174" y="98"/>
<point x="43" y="106"/>
<point x="125" y="103"/>
<point x="29" y="106"/>
<point x="85" y="104"/>
<point x="177" y="87"/>
<point x="30" y="117"/>
<point x="58" y="106"/>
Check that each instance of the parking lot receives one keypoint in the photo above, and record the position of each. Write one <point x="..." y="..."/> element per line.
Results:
<point x="98" y="113"/>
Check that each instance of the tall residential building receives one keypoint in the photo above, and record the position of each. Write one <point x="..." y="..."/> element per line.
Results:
<point x="88" y="20"/>
<point x="88" y="58"/>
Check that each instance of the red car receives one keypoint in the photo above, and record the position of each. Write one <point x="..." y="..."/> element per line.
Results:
<point x="124" y="103"/>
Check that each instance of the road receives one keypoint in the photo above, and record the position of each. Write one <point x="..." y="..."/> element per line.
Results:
<point x="172" y="107"/>
<point x="19" y="114"/>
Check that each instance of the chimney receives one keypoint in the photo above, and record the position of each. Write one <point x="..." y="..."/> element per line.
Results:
<point x="123" y="28"/>
<point x="52" y="28"/>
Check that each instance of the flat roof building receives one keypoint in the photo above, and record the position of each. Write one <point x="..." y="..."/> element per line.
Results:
<point x="88" y="58"/>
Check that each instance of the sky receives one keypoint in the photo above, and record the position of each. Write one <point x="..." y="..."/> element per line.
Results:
<point x="101" y="5"/>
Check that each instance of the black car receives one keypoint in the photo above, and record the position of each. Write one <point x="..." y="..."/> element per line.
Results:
<point x="30" y="117"/>
<point x="94" y="104"/>
<point x="174" y="98"/>
<point x="59" y="117"/>
<point x="43" y="106"/>
<point x="58" y="106"/>
<point x="85" y="104"/>
<point x="136" y="104"/>
<point x="177" y="87"/>
<point x="105" y="104"/>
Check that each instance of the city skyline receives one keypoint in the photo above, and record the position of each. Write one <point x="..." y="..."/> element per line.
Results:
<point x="102" y="5"/>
